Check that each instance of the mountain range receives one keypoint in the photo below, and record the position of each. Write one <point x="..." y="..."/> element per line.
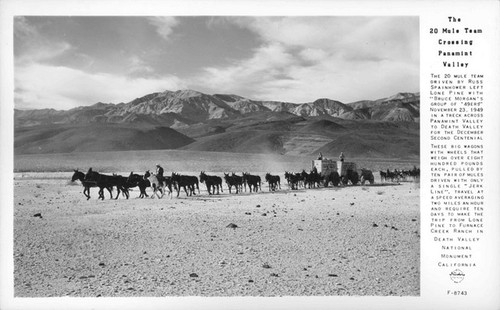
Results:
<point x="193" y="120"/>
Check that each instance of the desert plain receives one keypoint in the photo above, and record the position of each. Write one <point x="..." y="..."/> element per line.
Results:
<point x="348" y="240"/>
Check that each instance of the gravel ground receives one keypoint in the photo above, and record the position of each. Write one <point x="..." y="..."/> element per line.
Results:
<point x="358" y="240"/>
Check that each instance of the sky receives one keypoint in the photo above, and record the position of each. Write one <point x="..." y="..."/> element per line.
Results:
<point x="62" y="62"/>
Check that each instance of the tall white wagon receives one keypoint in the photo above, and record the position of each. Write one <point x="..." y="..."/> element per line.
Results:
<point x="346" y="170"/>
<point x="324" y="166"/>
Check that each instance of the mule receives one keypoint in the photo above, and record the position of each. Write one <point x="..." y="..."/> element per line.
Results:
<point x="415" y="173"/>
<point x="273" y="181"/>
<point x="383" y="176"/>
<point x="332" y="177"/>
<point x="312" y="179"/>
<point x="366" y="175"/>
<point x="293" y="179"/>
<point x="239" y="181"/>
<point x="351" y="176"/>
<point x="78" y="175"/>
<point x="140" y="181"/>
<point x="212" y="182"/>
<point x="104" y="181"/>
<point x="253" y="181"/>
<point x="121" y="184"/>
<point x="186" y="182"/>
<point x="233" y="180"/>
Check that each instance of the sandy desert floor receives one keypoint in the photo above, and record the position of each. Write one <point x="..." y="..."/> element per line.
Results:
<point x="357" y="240"/>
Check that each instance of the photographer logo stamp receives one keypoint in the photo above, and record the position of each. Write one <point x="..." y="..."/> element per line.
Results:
<point x="457" y="276"/>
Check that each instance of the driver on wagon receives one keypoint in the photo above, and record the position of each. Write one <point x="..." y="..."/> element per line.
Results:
<point x="341" y="156"/>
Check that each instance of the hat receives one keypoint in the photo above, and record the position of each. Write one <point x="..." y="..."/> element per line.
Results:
<point x="157" y="165"/>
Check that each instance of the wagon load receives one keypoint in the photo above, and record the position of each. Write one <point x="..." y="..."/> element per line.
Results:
<point x="324" y="166"/>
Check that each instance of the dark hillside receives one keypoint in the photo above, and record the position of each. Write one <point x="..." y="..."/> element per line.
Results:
<point x="67" y="139"/>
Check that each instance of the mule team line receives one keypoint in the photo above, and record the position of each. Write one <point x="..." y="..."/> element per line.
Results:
<point x="322" y="174"/>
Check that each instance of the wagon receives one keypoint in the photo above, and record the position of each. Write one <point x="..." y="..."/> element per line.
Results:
<point x="324" y="166"/>
<point x="346" y="171"/>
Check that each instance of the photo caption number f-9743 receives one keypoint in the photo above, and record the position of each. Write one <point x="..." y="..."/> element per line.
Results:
<point x="456" y="293"/>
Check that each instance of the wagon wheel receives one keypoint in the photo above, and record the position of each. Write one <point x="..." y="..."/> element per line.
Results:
<point x="371" y="179"/>
<point x="336" y="179"/>
<point x="354" y="178"/>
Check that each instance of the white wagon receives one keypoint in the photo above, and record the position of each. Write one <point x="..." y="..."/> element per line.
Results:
<point x="346" y="170"/>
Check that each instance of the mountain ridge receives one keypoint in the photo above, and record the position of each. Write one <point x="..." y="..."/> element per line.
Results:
<point x="189" y="106"/>
<point x="191" y="120"/>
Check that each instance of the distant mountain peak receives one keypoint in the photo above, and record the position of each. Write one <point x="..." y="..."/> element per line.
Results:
<point x="230" y="97"/>
<point x="101" y="104"/>
<point x="325" y="100"/>
<point x="402" y="96"/>
<point x="188" y="93"/>
<point x="191" y="106"/>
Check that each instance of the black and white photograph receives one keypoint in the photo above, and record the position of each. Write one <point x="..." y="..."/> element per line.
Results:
<point x="216" y="156"/>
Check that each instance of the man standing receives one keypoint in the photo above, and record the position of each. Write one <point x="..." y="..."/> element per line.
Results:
<point x="159" y="171"/>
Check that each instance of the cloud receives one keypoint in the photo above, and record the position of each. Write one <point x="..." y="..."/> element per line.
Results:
<point x="40" y="83"/>
<point x="164" y="25"/>
<point x="31" y="46"/>
<point x="43" y="52"/>
<point x="313" y="55"/>
<point x="139" y="67"/>
<point x="305" y="58"/>
<point x="22" y="28"/>
<point x="43" y="86"/>
<point x="298" y="59"/>
<point x="346" y="82"/>
<point x="268" y="63"/>
<point x="368" y="36"/>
